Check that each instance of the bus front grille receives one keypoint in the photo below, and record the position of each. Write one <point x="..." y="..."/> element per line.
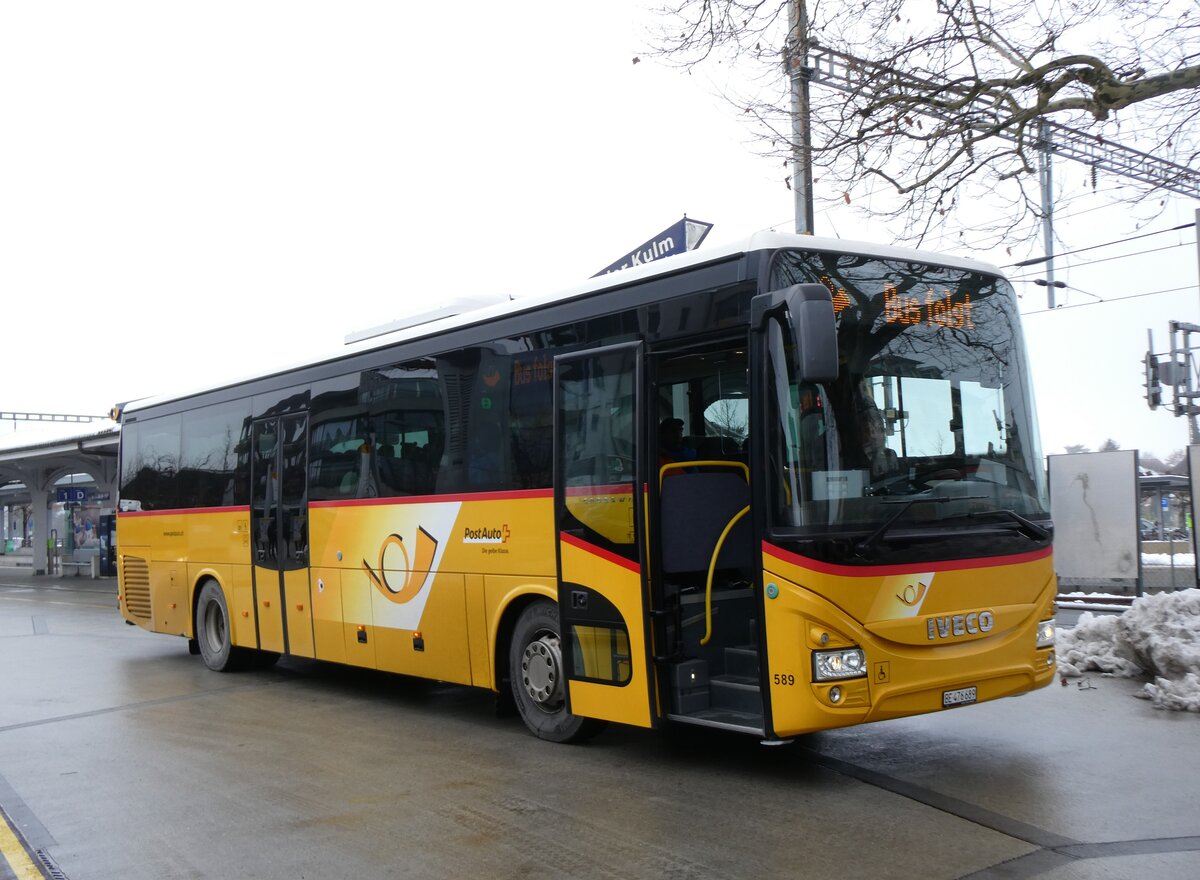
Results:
<point x="135" y="579"/>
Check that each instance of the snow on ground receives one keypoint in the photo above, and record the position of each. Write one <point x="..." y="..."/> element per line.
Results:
<point x="1181" y="560"/>
<point x="1158" y="637"/>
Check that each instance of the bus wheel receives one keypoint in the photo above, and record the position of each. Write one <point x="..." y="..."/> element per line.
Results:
<point x="213" y="633"/>
<point x="539" y="686"/>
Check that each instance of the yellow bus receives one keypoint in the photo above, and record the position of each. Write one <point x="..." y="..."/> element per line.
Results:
<point x="777" y="487"/>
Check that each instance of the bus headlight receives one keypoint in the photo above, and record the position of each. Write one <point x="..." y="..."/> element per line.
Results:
<point x="835" y="665"/>
<point x="1045" y="634"/>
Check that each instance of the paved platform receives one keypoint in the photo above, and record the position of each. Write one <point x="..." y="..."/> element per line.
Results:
<point x="121" y="756"/>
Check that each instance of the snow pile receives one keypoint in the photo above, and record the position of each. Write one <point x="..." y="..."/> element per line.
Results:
<point x="1179" y="560"/>
<point x="1159" y="636"/>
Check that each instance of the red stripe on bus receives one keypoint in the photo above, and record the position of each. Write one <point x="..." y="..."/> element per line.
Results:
<point x="363" y="502"/>
<point x="580" y="544"/>
<point x="175" y="511"/>
<point x="513" y="495"/>
<point x="908" y="568"/>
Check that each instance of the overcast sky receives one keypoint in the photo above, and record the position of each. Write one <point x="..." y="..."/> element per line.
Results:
<point x="194" y="191"/>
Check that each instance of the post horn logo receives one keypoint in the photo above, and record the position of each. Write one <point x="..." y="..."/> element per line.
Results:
<point x="415" y="572"/>
<point x="913" y="594"/>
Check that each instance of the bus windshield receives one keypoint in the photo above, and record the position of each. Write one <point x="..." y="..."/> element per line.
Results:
<point x="928" y="437"/>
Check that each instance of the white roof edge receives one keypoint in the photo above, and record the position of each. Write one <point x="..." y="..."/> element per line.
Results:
<point x="666" y="265"/>
<point x="14" y="451"/>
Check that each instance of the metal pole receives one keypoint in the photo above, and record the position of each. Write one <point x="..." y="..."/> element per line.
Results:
<point x="1045" y="179"/>
<point x="797" y="70"/>
<point x="1141" y="571"/>
<point x="1193" y="427"/>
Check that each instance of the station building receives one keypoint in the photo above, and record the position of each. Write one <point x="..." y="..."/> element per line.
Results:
<point x="58" y="497"/>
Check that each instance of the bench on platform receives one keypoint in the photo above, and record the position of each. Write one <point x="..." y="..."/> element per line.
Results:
<point x="80" y="567"/>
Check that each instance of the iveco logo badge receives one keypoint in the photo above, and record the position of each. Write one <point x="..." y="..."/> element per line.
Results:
<point x="960" y="625"/>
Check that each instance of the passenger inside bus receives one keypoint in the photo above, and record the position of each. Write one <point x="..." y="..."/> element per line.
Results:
<point x="671" y="447"/>
<point x="879" y="458"/>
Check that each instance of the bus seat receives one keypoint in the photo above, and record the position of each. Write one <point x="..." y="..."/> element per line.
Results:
<point x="389" y="468"/>
<point x="696" y="507"/>
<point x="718" y="448"/>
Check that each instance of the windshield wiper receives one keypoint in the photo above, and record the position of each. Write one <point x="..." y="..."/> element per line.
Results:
<point x="868" y="543"/>
<point x="1026" y="527"/>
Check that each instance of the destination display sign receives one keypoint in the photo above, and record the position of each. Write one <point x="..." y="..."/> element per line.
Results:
<point x="941" y="309"/>
<point x="933" y="308"/>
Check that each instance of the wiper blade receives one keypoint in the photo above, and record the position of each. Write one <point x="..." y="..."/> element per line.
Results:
<point x="868" y="543"/>
<point x="1026" y="527"/>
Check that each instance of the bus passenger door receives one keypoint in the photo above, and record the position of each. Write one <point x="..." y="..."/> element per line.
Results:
<point x="279" y="525"/>
<point x="599" y="518"/>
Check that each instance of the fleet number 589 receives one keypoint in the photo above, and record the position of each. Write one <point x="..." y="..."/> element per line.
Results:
<point x="784" y="678"/>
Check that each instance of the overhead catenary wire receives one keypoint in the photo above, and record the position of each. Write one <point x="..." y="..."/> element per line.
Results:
<point x="1035" y="260"/>
<point x="1109" y="302"/>
<point x="1109" y="259"/>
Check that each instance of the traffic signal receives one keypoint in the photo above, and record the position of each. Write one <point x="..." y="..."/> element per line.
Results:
<point x="1153" y="383"/>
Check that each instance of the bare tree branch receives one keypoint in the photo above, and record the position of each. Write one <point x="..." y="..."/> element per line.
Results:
<point x="951" y="100"/>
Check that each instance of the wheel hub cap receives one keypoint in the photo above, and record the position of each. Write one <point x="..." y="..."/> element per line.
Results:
<point x="541" y="672"/>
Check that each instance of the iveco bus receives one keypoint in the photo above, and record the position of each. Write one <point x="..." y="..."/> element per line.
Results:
<point x="777" y="487"/>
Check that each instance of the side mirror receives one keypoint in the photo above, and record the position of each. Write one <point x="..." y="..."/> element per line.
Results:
<point x="807" y="309"/>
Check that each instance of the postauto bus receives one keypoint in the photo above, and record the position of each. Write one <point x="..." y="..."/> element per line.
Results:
<point x="777" y="487"/>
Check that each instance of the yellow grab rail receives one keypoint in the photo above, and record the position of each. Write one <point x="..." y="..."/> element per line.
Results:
<point x="712" y="563"/>
<point x="712" y="567"/>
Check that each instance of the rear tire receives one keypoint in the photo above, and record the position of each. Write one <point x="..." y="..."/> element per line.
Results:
<point x="213" y="632"/>
<point x="539" y="683"/>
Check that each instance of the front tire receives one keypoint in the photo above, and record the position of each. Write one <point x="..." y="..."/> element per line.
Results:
<point x="539" y="683"/>
<point x="213" y="632"/>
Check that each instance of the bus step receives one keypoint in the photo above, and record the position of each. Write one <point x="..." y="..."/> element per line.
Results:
<point x="724" y="719"/>
<point x="735" y="692"/>
<point x="690" y="686"/>
<point x="742" y="662"/>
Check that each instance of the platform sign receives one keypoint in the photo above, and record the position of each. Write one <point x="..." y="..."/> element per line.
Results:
<point x="677" y="238"/>
<point x="70" y="495"/>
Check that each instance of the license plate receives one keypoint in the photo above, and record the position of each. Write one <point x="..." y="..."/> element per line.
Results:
<point x="958" y="697"/>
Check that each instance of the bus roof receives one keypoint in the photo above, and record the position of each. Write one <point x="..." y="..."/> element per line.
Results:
<point x="448" y="318"/>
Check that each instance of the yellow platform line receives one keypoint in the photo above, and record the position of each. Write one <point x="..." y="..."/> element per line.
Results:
<point x="13" y="851"/>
